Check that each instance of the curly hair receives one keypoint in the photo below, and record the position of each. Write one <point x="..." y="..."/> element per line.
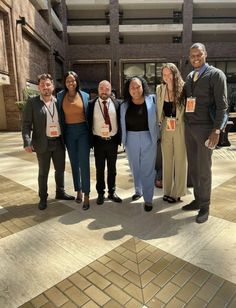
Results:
<point x="72" y="73"/>
<point x="178" y="83"/>
<point x="126" y="93"/>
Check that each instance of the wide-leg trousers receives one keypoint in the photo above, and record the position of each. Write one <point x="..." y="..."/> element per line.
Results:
<point x="174" y="158"/>
<point x="77" y="143"/>
<point x="141" y="152"/>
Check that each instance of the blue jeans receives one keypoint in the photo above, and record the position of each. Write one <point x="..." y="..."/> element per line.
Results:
<point x="77" y="144"/>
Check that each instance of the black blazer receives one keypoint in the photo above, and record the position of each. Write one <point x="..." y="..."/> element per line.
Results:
<point x="90" y="119"/>
<point x="34" y="122"/>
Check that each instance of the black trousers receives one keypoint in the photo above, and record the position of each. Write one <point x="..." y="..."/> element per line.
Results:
<point x="105" y="151"/>
<point x="56" y="152"/>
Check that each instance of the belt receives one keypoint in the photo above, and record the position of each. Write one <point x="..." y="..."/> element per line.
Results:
<point x="54" y="138"/>
<point x="104" y="138"/>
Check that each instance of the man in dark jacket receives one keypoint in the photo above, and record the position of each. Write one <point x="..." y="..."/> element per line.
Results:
<point x="104" y="122"/>
<point x="40" y="117"/>
<point x="205" y="114"/>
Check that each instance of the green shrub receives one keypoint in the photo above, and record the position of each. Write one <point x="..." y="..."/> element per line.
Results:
<point x="27" y="93"/>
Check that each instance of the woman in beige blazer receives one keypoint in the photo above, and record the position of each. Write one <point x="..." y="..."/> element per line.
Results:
<point x="170" y="113"/>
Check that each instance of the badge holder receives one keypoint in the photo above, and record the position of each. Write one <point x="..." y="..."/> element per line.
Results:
<point x="190" y="104"/>
<point x="170" y="124"/>
<point x="105" y="131"/>
<point x="53" y="131"/>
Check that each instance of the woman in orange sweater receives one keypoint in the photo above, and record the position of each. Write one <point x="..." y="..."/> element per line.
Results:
<point x="73" y="107"/>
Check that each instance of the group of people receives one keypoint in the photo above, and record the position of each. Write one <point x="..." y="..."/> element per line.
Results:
<point x="182" y="116"/>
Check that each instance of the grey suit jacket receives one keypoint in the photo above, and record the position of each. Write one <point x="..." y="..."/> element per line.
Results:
<point x="34" y="125"/>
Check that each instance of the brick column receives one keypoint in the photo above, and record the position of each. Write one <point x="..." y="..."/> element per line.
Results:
<point x="187" y="34"/>
<point x="114" y="43"/>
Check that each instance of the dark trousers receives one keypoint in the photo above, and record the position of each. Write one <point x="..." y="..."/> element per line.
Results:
<point x="199" y="162"/>
<point x="105" y="151"/>
<point x="77" y="143"/>
<point x="56" y="152"/>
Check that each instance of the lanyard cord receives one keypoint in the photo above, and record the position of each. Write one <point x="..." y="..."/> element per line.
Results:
<point x="53" y="110"/>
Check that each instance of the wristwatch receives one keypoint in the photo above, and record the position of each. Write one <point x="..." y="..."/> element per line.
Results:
<point x="217" y="131"/>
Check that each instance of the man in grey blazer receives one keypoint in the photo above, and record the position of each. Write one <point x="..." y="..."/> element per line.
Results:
<point x="40" y="117"/>
<point x="205" y="114"/>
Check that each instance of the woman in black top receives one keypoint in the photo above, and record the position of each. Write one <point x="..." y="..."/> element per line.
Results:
<point x="139" y="137"/>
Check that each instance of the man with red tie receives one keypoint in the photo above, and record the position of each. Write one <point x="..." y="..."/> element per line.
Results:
<point x="104" y="119"/>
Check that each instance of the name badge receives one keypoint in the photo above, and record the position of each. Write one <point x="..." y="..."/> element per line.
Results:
<point x="170" y="124"/>
<point x="53" y="131"/>
<point x="105" y="131"/>
<point x="190" y="104"/>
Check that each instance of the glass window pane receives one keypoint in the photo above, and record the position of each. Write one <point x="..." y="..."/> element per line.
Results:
<point x="150" y="72"/>
<point x="231" y="67"/>
<point x="133" y="69"/>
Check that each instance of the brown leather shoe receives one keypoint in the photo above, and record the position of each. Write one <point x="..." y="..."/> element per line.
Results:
<point x="86" y="204"/>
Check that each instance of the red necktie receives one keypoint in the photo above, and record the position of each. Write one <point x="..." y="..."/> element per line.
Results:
<point x="106" y="115"/>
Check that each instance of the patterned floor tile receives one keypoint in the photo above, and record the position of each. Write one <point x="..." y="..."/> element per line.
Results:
<point x="111" y="281"/>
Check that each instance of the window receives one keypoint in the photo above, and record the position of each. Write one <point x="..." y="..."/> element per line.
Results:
<point x="151" y="71"/>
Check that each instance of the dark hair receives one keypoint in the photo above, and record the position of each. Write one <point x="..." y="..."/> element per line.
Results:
<point x="44" y="77"/>
<point x="76" y="79"/>
<point x="178" y="82"/>
<point x="199" y="46"/>
<point x="126" y="93"/>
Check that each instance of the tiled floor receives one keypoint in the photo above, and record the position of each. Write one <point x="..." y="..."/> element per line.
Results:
<point x="136" y="274"/>
<point x="113" y="255"/>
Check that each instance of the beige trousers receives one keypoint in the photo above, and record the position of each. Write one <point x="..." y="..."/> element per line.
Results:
<point x="174" y="160"/>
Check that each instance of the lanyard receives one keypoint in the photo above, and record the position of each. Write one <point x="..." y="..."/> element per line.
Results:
<point x="53" y="110"/>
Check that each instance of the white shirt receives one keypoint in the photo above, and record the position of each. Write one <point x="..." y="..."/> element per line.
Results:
<point x="52" y="116"/>
<point x="98" y="117"/>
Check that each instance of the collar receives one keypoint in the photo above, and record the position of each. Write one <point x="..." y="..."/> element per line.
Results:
<point x="201" y="70"/>
<point x="102" y="100"/>
<point x="52" y="100"/>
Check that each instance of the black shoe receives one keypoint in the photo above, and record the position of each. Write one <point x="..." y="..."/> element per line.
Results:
<point x="193" y="206"/>
<point x="42" y="204"/>
<point x="173" y="200"/>
<point x="64" y="196"/>
<point x="85" y="206"/>
<point x="165" y="198"/>
<point x="114" y="198"/>
<point x="202" y="216"/>
<point x="100" y="199"/>
<point x="136" y="197"/>
<point x="147" y="207"/>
